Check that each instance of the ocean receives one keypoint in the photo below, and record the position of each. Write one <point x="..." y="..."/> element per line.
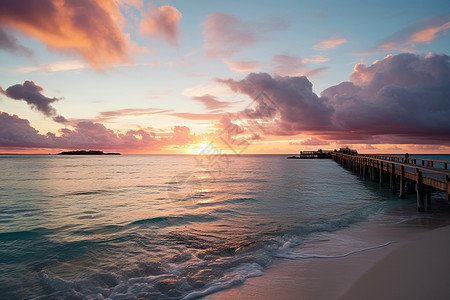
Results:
<point x="170" y="227"/>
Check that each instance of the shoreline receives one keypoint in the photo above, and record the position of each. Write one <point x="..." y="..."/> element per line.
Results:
<point x="350" y="277"/>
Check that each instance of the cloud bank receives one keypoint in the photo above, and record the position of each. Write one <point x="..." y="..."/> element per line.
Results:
<point x="18" y="133"/>
<point x="401" y="99"/>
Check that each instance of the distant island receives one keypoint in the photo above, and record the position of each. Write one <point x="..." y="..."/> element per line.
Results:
<point x="84" y="152"/>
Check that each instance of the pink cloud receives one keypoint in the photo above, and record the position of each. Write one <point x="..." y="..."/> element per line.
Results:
<point x="329" y="44"/>
<point x="195" y="116"/>
<point x="162" y="22"/>
<point x="400" y="99"/>
<point x="316" y="59"/>
<point x="428" y="35"/>
<point x="398" y="95"/>
<point x="300" y="109"/>
<point x="312" y="72"/>
<point x="311" y="142"/>
<point x="85" y="28"/>
<point x="243" y="66"/>
<point x="133" y="112"/>
<point x="286" y="64"/>
<point x="18" y="133"/>
<point x="226" y="35"/>
<point x="212" y="103"/>
<point x="422" y="32"/>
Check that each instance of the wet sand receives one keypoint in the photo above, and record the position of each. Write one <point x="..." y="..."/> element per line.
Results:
<point x="415" y="265"/>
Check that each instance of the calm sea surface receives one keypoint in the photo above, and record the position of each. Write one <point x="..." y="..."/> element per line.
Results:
<point x="163" y="226"/>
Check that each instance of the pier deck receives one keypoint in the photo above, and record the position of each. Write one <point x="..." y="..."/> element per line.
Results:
<point x="413" y="174"/>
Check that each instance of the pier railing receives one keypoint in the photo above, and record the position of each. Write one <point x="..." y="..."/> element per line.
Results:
<point x="402" y="174"/>
<point x="437" y="164"/>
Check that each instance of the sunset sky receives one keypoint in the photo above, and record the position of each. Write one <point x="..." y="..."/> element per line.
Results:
<point x="173" y="77"/>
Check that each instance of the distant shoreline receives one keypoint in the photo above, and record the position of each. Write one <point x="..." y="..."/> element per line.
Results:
<point x="84" y="152"/>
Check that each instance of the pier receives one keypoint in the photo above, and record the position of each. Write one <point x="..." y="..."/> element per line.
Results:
<point x="401" y="174"/>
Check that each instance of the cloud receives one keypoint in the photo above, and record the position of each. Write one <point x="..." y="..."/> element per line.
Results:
<point x="399" y="99"/>
<point x="32" y="95"/>
<point x="133" y="112"/>
<point x="405" y="94"/>
<point x="18" y="133"/>
<point x="329" y="44"/>
<point x="212" y="103"/>
<point x="195" y="116"/>
<point x="86" y="28"/>
<point x="225" y="35"/>
<point x="300" y="108"/>
<point x="286" y="64"/>
<point x="311" y="142"/>
<point x="422" y="32"/>
<point x="243" y="66"/>
<point x="58" y="66"/>
<point x="162" y="22"/>
<point x="11" y="44"/>
<point x="312" y="72"/>
<point x="316" y="59"/>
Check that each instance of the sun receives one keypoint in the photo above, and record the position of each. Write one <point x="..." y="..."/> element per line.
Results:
<point x="196" y="149"/>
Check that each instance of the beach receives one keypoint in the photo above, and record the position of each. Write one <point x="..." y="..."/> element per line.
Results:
<point x="413" y="265"/>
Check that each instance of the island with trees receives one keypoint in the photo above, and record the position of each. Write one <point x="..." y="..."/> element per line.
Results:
<point x="84" y="152"/>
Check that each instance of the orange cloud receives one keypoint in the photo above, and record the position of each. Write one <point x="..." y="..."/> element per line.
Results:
<point x="316" y="59"/>
<point x="329" y="44"/>
<point x="162" y="22"/>
<point x="194" y="116"/>
<point x="406" y="40"/>
<point x="86" y="28"/>
<point x="429" y="34"/>
<point x="243" y="66"/>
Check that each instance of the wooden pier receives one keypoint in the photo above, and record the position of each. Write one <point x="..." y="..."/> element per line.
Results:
<point x="402" y="174"/>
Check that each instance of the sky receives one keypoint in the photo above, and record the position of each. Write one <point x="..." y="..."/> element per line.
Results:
<point x="228" y="77"/>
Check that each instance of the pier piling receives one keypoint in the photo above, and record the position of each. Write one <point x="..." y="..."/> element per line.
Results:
<point x="402" y="182"/>
<point x="419" y="189"/>
<point x="413" y="175"/>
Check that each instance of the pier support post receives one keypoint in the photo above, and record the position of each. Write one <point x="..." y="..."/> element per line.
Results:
<point x="447" y="181"/>
<point x="360" y="166"/>
<point x="381" y="173"/>
<point x="392" y="178"/>
<point x="364" y="169"/>
<point x="402" y="182"/>
<point x="372" y="171"/>
<point x="420" y="204"/>
<point x="428" y="199"/>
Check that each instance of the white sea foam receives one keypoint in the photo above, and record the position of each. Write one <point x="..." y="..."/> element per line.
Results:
<point x="294" y="255"/>
<point x="234" y="277"/>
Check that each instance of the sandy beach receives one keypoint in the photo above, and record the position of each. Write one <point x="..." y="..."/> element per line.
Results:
<point x="417" y="270"/>
<point x="414" y="265"/>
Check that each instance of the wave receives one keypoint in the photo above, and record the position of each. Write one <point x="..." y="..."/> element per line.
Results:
<point x="175" y="220"/>
<point x="299" y="255"/>
<point x="93" y="192"/>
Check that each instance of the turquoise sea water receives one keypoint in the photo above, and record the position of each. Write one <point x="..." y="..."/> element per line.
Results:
<point x="159" y="227"/>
